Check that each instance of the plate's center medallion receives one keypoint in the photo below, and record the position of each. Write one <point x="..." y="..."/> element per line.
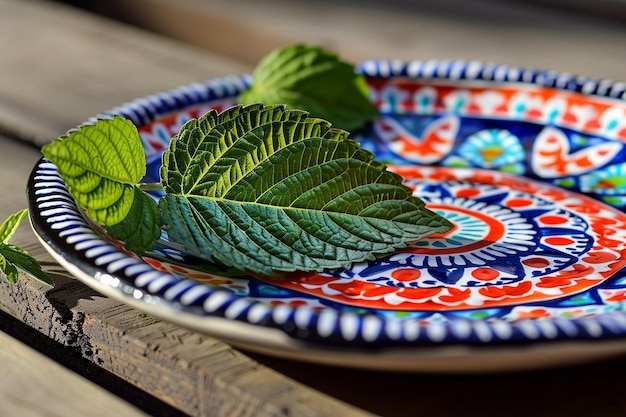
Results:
<point x="514" y="241"/>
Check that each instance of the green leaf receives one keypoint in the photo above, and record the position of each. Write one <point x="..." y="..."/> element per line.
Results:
<point x="267" y="189"/>
<point x="101" y="165"/>
<point x="10" y="225"/>
<point x="9" y="270"/>
<point x="13" y="256"/>
<point x="315" y="80"/>
<point x="141" y="229"/>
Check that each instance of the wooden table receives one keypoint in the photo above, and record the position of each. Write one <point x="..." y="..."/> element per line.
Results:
<point x="70" y="351"/>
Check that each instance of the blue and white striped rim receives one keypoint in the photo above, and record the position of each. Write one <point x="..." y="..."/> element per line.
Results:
<point x="477" y="71"/>
<point x="58" y="222"/>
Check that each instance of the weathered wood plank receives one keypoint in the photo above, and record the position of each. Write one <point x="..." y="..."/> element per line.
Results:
<point x="194" y="373"/>
<point x="52" y="389"/>
<point x="61" y="66"/>
<point x="507" y="32"/>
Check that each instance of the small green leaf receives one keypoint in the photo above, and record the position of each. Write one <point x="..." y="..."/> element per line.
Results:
<point x="142" y="227"/>
<point x="9" y="270"/>
<point x="265" y="189"/>
<point x="10" y="225"/>
<point x="15" y="256"/>
<point x="315" y="80"/>
<point x="101" y="164"/>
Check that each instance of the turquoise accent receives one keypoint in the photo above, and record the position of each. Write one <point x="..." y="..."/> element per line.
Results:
<point x="578" y="300"/>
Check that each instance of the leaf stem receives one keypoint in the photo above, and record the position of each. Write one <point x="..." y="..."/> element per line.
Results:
<point x="150" y="186"/>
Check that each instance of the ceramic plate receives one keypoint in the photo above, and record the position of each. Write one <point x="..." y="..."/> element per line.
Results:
<point x="529" y="166"/>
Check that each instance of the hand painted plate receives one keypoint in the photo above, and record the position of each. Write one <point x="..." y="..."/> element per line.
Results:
<point x="529" y="166"/>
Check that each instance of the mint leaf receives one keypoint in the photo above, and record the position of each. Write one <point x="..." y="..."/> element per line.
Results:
<point x="101" y="165"/>
<point x="315" y="80"/>
<point x="12" y="257"/>
<point x="268" y="189"/>
<point x="9" y="270"/>
<point x="15" y="256"/>
<point x="10" y="225"/>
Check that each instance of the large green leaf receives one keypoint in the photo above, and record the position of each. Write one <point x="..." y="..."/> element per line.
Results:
<point x="312" y="79"/>
<point x="266" y="189"/>
<point x="101" y="165"/>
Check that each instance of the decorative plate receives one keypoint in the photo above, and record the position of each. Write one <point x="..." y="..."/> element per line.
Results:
<point x="529" y="166"/>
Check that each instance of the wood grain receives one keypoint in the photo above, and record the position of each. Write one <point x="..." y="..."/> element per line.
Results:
<point x="196" y="374"/>
<point x="191" y="372"/>
<point x="52" y="389"/>
<point x="61" y="66"/>
<point x="505" y="32"/>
